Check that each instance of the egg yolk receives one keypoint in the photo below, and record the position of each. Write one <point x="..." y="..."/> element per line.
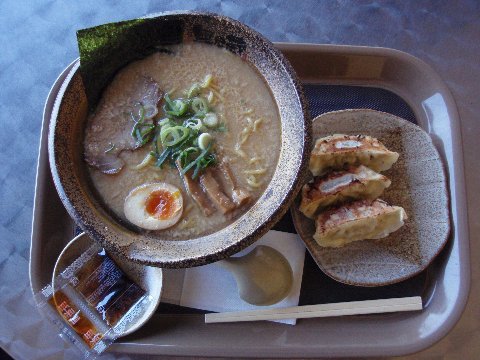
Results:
<point x="160" y="204"/>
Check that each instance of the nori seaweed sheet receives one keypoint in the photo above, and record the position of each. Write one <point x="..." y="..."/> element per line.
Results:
<point x="107" y="48"/>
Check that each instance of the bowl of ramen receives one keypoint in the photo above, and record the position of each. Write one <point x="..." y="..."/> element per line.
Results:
<point x="191" y="153"/>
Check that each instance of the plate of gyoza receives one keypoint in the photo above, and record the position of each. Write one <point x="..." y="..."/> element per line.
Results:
<point x="375" y="210"/>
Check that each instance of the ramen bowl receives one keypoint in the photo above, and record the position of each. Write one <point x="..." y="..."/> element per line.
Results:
<point x="71" y="177"/>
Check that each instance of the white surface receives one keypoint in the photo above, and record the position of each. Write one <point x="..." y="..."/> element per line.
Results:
<point x="213" y="288"/>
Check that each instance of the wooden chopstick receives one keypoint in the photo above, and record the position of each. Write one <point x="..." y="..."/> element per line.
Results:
<point x="320" y="310"/>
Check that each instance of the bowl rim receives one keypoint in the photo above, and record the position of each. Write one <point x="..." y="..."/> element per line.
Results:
<point x="284" y="199"/>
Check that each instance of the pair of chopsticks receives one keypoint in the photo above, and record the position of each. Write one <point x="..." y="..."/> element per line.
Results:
<point x="321" y="310"/>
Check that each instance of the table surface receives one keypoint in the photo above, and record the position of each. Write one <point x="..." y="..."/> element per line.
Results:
<point x="39" y="41"/>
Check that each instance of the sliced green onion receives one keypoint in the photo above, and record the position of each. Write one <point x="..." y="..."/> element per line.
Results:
<point x="204" y="140"/>
<point x="197" y="160"/>
<point x="193" y="91"/>
<point x="207" y="81"/>
<point x="173" y="135"/>
<point x="176" y="107"/>
<point x="210" y="120"/>
<point x="157" y="143"/>
<point x="168" y="101"/>
<point x="143" y="132"/>
<point x="147" y="160"/>
<point x="203" y="163"/>
<point x="193" y="123"/>
<point x="180" y="136"/>
<point x="180" y="107"/>
<point x="183" y="156"/>
<point x="164" y="121"/>
<point x="210" y="97"/>
<point x="199" y="106"/>
<point x="162" y="157"/>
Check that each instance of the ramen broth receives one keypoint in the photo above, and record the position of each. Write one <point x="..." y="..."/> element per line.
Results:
<point x="249" y="141"/>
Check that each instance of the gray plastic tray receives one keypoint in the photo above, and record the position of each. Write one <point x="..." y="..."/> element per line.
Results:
<point x="445" y="284"/>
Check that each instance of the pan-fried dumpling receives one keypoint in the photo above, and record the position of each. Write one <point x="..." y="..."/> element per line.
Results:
<point x="337" y="151"/>
<point x="336" y="187"/>
<point x="359" y="220"/>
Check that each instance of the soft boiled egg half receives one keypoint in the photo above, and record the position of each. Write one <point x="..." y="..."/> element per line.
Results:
<point x="154" y="206"/>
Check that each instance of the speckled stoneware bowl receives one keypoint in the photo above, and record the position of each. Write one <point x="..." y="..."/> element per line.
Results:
<point x="418" y="185"/>
<point x="148" y="278"/>
<point x="71" y="180"/>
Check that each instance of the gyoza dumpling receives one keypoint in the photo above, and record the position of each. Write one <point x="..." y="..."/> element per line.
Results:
<point x="355" y="183"/>
<point x="359" y="220"/>
<point x="337" y="151"/>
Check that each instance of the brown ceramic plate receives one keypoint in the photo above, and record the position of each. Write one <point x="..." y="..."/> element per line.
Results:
<point x="418" y="185"/>
<point x="69" y="170"/>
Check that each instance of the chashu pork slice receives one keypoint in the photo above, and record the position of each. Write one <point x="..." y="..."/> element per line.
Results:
<point x="215" y="192"/>
<point x="109" y="128"/>
<point x="356" y="221"/>
<point x="215" y="189"/>
<point x="195" y="191"/>
<point x="355" y="183"/>
<point x="337" y="151"/>
<point x="224" y="175"/>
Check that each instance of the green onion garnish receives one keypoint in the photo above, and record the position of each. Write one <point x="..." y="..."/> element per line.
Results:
<point x="199" y="106"/>
<point x="176" y="136"/>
